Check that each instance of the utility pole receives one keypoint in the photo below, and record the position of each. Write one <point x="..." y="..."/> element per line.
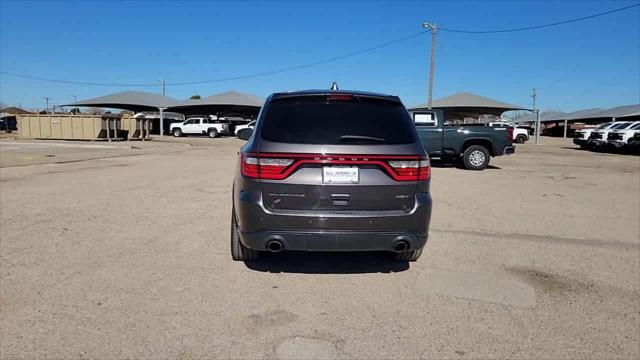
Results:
<point x="434" y="29"/>
<point x="163" y="86"/>
<point x="537" y="115"/>
<point x="47" y="99"/>
<point x="75" y="98"/>
<point x="161" y="122"/>
<point x="533" y="96"/>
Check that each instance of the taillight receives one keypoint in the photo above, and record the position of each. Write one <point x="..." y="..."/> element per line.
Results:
<point x="510" y="131"/>
<point x="410" y="169"/>
<point x="264" y="168"/>
<point x="278" y="166"/>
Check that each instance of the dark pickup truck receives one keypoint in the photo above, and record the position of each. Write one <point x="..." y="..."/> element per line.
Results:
<point x="473" y="145"/>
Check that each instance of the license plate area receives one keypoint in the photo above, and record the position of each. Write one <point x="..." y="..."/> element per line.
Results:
<point x="340" y="175"/>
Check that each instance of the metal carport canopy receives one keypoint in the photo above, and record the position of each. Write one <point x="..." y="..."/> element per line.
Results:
<point x="132" y="100"/>
<point x="557" y="116"/>
<point x="613" y="113"/>
<point x="580" y="114"/>
<point x="566" y="117"/>
<point x="226" y="102"/>
<point x="466" y="104"/>
<point x="544" y="116"/>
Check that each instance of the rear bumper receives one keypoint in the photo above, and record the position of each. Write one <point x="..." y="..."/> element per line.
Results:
<point x="329" y="231"/>
<point x="309" y="240"/>
<point x="508" y="150"/>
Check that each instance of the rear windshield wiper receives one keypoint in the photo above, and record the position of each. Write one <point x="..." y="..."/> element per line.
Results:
<point x="361" y="138"/>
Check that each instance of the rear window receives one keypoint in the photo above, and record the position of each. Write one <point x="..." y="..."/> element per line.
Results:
<point x="348" y="120"/>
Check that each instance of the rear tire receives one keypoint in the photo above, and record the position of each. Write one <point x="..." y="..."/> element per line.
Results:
<point x="177" y="132"/>
<point x="239" y="252"/>
<point x="213" y="133"/>
<point x="476" y="157"/>
<point x="411" y="255"/>
<point x="521" y="139"/>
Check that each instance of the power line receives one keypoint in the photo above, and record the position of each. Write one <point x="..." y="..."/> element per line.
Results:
<point x="240" y="77"/>
<point x="540" y="26"/>
<point x="305" y="65"/>
<point x="69" y="81"/>
<point x="321" y="62"/>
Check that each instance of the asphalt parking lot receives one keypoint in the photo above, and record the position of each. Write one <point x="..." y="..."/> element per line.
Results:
<point x="122" y="251"/>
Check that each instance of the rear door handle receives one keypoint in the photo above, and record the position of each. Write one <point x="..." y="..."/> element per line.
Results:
<point x="340" y="199"/>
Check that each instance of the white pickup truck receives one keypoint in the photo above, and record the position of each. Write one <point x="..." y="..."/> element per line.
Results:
<point x="520" y="135"/>
<point x="199" y="126"/>
<point x="582" y="135"/>
<point x="598" y="138"/>
<point x="617" y="139"/>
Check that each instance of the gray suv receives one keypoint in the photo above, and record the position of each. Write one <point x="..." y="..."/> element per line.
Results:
<point x="331" y="170"/>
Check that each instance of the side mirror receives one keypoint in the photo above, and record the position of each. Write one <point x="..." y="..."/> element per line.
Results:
<point x="245" y="134"/>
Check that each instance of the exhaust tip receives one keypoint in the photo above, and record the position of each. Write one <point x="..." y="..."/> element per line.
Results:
<point x="275" y="246"/>
<point x="401" y="246"/>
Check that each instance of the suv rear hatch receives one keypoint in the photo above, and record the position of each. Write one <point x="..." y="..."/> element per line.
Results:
<point x="338" y="152"/>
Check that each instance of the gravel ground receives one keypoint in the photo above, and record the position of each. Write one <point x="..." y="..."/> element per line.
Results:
<point x="121" y="252"/>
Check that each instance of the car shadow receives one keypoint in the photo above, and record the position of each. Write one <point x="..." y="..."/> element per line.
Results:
<point x="603" y="151"/>
<point x="306" y="262"/>
<point x="436" y="163"/>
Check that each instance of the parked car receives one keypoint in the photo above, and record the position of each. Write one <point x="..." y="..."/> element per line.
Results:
<point x="250" y="125"/>
<point x="582" y="135"/>
<point x="618" y="139"/>
<point x="200" y="126"/>
<point x="528" y="128"/>
<point x="598" y="138"/>
<point x="349" y="173"/>
<point x="554" y="131"/>
<point x="520" y="135"/>
<point x="471" y="144"/>
<point x="8" y="123"/>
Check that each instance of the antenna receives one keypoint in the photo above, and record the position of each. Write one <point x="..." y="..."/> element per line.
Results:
<point x="334" y="87"/>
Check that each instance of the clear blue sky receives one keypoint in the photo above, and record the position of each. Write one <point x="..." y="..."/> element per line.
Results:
<point x="594" y="63"/>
